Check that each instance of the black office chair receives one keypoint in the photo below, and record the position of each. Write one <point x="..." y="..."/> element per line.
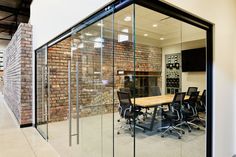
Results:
<point x="127" y="110"/>
<point x="201" y="108"/>
<point x="154" y="91"/>
<point x="173" y="116"/>
<point x="189" y="112"/>
<point x="127" y="90"/>
<point x="191" y="89"/>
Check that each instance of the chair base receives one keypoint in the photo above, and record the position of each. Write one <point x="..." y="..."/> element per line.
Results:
<point x="172" y="129"/>
<point x="188" y="124"/>
<point x="198" y="119"/>
<point x="129" y="126"/>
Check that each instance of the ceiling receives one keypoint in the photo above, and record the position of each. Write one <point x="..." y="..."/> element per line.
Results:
<point x="12" y="13"/>
<point x="151" y="28"/>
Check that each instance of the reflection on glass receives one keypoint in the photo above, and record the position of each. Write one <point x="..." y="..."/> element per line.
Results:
<point x="171" y="119"/>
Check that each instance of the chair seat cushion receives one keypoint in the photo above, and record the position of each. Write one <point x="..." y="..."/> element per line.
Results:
<point x="170" y="115"/>
<point x="200" y="108"/>
<point x="186" y="112"/>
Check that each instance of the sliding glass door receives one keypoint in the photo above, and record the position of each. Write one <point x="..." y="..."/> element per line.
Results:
<point x="91" y="90"/>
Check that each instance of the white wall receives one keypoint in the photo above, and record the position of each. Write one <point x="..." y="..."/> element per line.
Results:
<point x="193" y="79"/>
<point x="222" y="14"/>
<point x="52" y="17"/>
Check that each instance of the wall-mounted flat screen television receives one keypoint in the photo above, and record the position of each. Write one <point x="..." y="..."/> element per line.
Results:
<point x="194" y="60"/>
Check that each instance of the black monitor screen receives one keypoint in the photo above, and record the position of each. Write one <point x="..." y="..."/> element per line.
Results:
<point x="194" y="60"/>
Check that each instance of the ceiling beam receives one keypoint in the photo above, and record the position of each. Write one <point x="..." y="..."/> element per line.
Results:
<point x="4" y="39"/>
<point x="25" y="12"/>
<point x="10" y="27"/>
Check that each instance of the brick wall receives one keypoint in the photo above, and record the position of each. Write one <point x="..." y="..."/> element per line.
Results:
<point x="18" y="74"/>
<point x="94" y="96"/>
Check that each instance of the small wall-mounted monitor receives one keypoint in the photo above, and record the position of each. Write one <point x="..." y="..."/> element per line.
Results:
<point x="194" y="60"/>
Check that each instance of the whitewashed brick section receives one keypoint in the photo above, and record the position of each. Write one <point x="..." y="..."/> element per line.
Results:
<point x="18" y="74"/>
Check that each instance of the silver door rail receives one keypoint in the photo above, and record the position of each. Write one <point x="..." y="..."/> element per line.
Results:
<point x="43" y="86"/>
<point x="49" y="92"/>
<point x="77" y="99"/>
<point x="69" y="103"/>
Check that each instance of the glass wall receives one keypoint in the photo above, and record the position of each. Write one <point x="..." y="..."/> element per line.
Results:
<point x="165" y="52"/>
<point x="42" y="92"/>
<point x="129" y="84"/>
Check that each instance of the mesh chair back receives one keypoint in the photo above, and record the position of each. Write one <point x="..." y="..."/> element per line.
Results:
<point x="125" y="102"/>
<point x="203" y="97"/>
<point x="178" y="100"/>
<point x="155" y="91"/>
<point x="127" y="90"/>
<point x="191" y="89"/>
<point x="193" y="98"/>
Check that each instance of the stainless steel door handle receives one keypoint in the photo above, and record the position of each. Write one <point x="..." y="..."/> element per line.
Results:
<point x="69" y="102"/>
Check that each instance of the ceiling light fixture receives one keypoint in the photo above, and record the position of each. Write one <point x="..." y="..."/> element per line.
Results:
<point x="154" y="25"/>
<point x="100" y="24"/>
<point x="145" y="35"/>
<point x="127" y="18"/>
<point x="162" y="38"/>
<point x="125" y="30"/>
<point x="88" y="34"/>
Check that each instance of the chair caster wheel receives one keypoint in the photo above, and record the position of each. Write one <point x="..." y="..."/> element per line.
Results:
<point x="198" y="128"/>
<point x="204" y="126"/>
<point x="118" y="133"/>
<point x="189" y="130"/>
<point x="129" y="129"/>
<point x="183" y="132"/>
<point x="162" y="135"/>
<point x="170" y="131"/>
<point x="179" y="137"/>
<point x="118" y="120"/>
<point x="132" y="135"/>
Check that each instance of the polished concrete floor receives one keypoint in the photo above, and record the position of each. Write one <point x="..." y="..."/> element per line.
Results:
<point x="16" y="142"/>
<point x="95" y="134"/>
<point x="95" y="141"/>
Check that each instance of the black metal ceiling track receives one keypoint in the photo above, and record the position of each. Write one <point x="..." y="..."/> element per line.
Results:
<point x="174" y="12"/>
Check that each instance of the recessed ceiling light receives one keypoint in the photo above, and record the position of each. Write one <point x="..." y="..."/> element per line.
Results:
<point x="125" y="30"/>
<point x="127" y="18"/>
<point x="162" y="38"/>
<point x="154" y="25"/>
<point x="145" y="35"/>
<point x="88" y="34"/>
<point x="100" y="24"/>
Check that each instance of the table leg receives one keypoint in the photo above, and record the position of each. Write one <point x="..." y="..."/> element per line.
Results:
<point x="150" y="128"/>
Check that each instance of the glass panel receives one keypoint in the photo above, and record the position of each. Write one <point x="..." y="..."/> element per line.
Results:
<point x="42" y="101"/>
<point x="58" y="127"/>
<point x="194" y="75"/>
<point x="92" y="89"/>
<point x="160" y="79"/>
<point x="124" y="82"/>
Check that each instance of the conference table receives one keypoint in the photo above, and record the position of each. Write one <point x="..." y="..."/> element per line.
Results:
<point x="153" y="102"/>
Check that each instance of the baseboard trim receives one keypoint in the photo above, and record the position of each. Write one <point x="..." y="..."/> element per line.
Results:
<point x="26" y="125"/>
